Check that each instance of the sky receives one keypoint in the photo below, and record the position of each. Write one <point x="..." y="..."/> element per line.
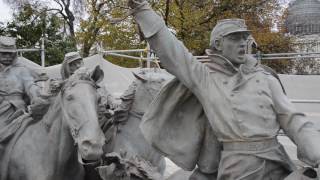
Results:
<point x="5" y="12"/>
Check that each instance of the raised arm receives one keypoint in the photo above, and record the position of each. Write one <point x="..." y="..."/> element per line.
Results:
<point x="174" y="56"/>
<point x="301" y="131"/>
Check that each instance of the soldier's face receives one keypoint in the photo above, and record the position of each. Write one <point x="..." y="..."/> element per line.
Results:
<point x="6" y="58"/>
<point x="234" y="47"/>
<point x="74" y="65"/>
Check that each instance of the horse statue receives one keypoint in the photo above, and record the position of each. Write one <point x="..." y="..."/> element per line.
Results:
<point x="67" y="136"/>
<point x="128" y="141"/>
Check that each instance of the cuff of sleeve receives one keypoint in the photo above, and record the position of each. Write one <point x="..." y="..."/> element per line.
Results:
<point x="149" y="21"/>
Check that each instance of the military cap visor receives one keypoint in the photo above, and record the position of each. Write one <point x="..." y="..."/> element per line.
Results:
<point x="230" y="26"/>
<point x="73" y="56"/>
<point x="8" y="44"/>
<point x="236" y="31"/>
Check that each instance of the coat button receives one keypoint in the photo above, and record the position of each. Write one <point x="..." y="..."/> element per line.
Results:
<point x="225" y="82"/>
<point x="258" y="81"/>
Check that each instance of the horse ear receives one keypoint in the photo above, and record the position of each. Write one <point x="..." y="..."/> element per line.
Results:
<point x="139" y="77"/>
<point x="97" y="74"/>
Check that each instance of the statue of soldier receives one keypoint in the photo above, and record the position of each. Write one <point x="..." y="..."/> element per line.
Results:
<point x="17" y="87"/>
<point x="72" y="61"/>
<point x="245" y="107"/>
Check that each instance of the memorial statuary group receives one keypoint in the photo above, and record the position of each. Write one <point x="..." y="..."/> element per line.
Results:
<point x="217" y="119"/>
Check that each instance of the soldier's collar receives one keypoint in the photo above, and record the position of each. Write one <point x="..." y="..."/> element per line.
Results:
<point x="220" y="63"/>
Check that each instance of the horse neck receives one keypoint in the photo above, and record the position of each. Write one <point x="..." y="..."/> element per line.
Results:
<point x="141" y="99"/>
<point x="61" y="141"/>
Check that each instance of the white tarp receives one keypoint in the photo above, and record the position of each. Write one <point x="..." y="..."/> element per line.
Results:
<point x="303" y="87"/>
<point x="28" y="63"/>
<point x="116" y="78"/>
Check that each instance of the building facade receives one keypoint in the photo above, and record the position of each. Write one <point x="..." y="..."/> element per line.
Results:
<point x="303" y="22"/>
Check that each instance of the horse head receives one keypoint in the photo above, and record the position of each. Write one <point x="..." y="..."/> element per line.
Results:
<point x="79" y="102"/>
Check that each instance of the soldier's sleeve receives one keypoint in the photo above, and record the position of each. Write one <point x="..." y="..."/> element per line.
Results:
<point x="174" y="56"/>
<point x="296" y="126"/>
<point x="31" y="88"/>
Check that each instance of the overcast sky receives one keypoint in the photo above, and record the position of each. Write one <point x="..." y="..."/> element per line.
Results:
<point x="5" y="12"/>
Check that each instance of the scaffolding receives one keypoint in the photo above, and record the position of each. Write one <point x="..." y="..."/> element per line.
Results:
<point x="41" y="50"/>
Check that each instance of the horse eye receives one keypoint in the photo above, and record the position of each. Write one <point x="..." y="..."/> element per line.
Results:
<point x="70" y="97"/>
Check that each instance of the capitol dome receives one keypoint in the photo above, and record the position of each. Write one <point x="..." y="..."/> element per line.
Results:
<point x="304" y="17"/>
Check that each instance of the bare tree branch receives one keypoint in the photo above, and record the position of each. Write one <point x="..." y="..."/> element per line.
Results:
<point x="166" y="17"/>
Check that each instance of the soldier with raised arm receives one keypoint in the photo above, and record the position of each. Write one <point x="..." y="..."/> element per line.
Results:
<point x="245" y="106"/>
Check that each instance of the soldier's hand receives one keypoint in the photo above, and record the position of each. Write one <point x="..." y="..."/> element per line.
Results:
<point x="38" y="108"/>
<point x="135" y="3"/>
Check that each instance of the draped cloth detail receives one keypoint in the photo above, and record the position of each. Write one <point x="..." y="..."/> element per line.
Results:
<point x="177" y="127"/>
<point x="180" y="130"/>
<point x="9" y="135"/>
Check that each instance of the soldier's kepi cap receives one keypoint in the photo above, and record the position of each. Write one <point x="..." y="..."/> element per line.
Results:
<point x="8" y="44"/>
<point x="72" y="56"/>
<point x="225" y="27"/>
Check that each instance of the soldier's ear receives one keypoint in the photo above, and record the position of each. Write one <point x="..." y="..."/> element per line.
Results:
<point x="218" y="44"/>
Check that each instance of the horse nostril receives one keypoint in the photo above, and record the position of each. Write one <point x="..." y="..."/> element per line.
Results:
<point x="90" y="150"/>
<point x="86" y="145"/>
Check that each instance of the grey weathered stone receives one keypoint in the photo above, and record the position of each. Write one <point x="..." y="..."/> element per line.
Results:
<point x="46" y="149"/>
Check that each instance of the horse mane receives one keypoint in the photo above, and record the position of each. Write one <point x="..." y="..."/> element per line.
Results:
<point x="53" y="112"/>
<point x="127" y="100"/>
<point x="82" y="73"/>
<point x="129" y="95"/>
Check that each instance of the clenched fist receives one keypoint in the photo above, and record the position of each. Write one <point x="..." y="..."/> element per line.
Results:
<point x="136" y="3"/>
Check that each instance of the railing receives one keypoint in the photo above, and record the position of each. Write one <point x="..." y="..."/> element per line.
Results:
<point x="41" y="50"/>
<point x="305" y="101"/>
<point x="259" y="55"/>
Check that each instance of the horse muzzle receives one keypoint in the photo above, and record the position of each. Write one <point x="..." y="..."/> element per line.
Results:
<point x="90" y="150"/>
